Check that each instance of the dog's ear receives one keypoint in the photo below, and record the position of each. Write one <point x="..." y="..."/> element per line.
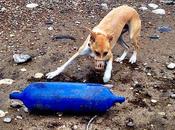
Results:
<point x="92" y="34"/>
<point x="110" y="37"/>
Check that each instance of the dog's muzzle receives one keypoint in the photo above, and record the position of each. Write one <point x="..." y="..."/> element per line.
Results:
<point x="99" y="64"/>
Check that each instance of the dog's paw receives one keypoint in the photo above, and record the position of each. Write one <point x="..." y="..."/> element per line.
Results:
<point x="106" y="78"/>
<point x="133" y="59"/>
<point x="51" y="75"/>
<point x="119" y="59"/>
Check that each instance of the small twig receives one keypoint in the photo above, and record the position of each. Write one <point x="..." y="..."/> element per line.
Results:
<point x="89" y="123"/>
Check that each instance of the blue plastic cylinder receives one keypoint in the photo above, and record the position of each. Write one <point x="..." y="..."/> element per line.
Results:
<point x="67" y="97"/>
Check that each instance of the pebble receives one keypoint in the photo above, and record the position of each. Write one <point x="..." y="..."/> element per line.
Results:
<point x="38" y="75"/>
<point x="172" y="95"/>
<point x="153" y="101"/>
<point x="7" y="119"/>
<point x="149" y="74"/>
<point x="75" y="127"/>
<point x="143" y="8"/>
<point x="159" y="11"/>
<point x="32" y="5"/>
<point x="19" y="117"/>
<point x="154" y="36"/>
<point x="164" y="29"/>
<point x="6" y="81"/>
<point x="171" y="66"/>
<point x="77" y="22"/>
<point x="2" y="113"/>
<point x="21" y="58"/>
<point x="104" y="6"/>
<point x="168" y="2"/>
<point x="23" y="69"/>
<point x="50" y="28"/>
<point x="15" y="104"/>
<point x="153" y="6"/>
<point x="3" y="9"/>
<point x="130" y="122"/>
<point x="162" y="113"/>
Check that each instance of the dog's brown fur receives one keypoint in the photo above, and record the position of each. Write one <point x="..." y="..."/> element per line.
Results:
<point x="104" y="36"/>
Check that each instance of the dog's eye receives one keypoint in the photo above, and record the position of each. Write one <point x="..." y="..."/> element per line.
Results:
<point x="97" y="53"/>
<point x="105" y="53"/>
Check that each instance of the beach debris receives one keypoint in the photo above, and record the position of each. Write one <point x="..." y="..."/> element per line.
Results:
<point x="6" y="81"/>
<point x="153" y="6"/>
<point x="159" y="11"/>
<point x="38" y="75"/>
<point x="7" y="119"/>
<point x="154" y="36"/>
<point x="2" y="113"/>
<point x="162" y="29"/>
<point x="21" y="58"/>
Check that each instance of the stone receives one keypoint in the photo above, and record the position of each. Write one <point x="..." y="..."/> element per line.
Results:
<point x="172" y="95"/>
<point x="2" y="113"/>
<point x="162" y="29"/>
<point x="153" y="6"/>
<point x="143" y="8"/>
<point x="38" y="75"/>
<point x="130" y="122"/>
<point x="6" y="81"/>
<point x="159" y="11"/>
<point x="153" y="101"/>
<point x="23" y="69"/>
<point x="32" y="5"/>
<point x="149" y="74"/>
<point x="171" y="66"/>
<point x="15" y="104"/>
<point x="19" y="117"/>
<point x="75" y="127"/>
<point x="50" y="28"/>
<point x="104" y="6"/>
<point x="154" y="36"/>
<point x="7" y="119"/>
<point x="3" y="9"/>
<point x="162" y="113"/>
<point x="21" y="58"/>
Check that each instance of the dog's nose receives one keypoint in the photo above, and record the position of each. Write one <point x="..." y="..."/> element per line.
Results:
<point x="99" y="65"/>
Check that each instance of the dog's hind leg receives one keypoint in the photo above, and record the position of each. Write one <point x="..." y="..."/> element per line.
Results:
<point x="83" y="50"/>
<point x="135" y="28"/>
<point x="123" y="44"/>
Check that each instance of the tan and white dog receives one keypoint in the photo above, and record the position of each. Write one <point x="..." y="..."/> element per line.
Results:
<point x="104" y="36"/>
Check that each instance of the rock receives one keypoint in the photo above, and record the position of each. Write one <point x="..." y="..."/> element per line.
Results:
<point x="104" y="6"/>
<point x="50" y="28"/>
<point x="130" y="122"/>
<point x="75" y="127"/>
<point x="149" y="74"/>
<point x="77" y="22"/>
<point x="7" y="119"/>
<point x="21" y="58"/>
<point x="15" y="104"/>
<point x="159" y="11"/>
<point x="171" y="66"/>
<point x="6" y="81"/>
<point x="2" y="113"/>
<point x="153" y="101"/>
<point x="32" y="5"/>
<point x="162" y="113"/>
<point x="162" y="29"/>
<point x="38" y="75"/>
<point x="23" y="69"/>
<point x="168" y="2"/>
<point x="172" y="95"/>
<point x="3" y="9"/>
<point x="19" y="117"/>
<point x="143" y="8"/>
<point x="154" y="36"/>
<point x="153" y="6"/>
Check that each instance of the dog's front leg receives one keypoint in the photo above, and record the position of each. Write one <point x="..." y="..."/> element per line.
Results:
<point x="83" y="50"/>
<point x="107" y="74"/>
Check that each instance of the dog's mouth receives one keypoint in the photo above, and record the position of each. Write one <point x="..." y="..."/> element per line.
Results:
<point x="99" y="64"/>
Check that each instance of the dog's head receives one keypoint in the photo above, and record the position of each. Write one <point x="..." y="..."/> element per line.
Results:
<point x="101" y="47"/>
